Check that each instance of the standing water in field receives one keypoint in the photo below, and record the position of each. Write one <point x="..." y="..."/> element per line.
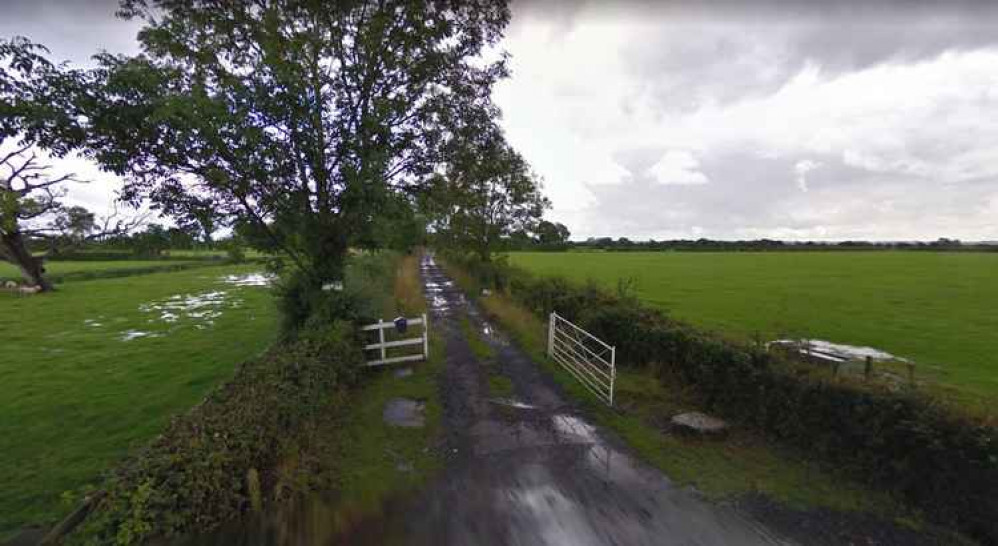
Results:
<point x="249" y="279"/>
<point x="848" y="352"/>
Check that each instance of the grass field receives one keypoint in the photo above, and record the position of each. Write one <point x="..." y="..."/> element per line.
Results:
<point x="98" y="368"/>
<point x="60" y="269"/>
<point x="937" y="309"/>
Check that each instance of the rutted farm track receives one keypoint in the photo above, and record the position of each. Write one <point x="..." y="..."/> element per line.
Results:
<point x="530" y="470"/>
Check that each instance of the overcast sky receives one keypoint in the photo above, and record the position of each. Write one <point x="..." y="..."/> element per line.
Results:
<point x="869" y="120"/>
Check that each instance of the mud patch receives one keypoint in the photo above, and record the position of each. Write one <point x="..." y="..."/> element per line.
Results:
<point x="403" y="412"/>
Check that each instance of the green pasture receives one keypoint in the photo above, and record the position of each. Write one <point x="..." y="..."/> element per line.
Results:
<point x="59" y="269"/>
<point x="938" y="309"/>
<point x="98" y="368"/>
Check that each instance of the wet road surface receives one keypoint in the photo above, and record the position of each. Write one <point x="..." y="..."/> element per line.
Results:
<point x="529" y="470"/>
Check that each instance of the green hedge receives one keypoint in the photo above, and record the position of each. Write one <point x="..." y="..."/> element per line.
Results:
<point x="901" y="441"/>
<point x="194" y="476"/>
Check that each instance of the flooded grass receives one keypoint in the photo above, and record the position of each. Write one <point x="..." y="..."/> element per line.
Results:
<point x="97" y="368"/>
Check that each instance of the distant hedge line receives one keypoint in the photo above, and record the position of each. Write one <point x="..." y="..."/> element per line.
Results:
<point x="109" y="256"/>
<point x="901" y="441"/>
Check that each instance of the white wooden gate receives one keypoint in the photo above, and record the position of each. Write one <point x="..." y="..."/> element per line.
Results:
<point x="382" y="345"/>
<point x="592" y="361"/>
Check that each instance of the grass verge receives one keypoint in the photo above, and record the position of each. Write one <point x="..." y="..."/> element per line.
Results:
<point x="364" y="460"/>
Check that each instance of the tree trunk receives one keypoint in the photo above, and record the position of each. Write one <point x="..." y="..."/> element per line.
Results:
<point x="31" y="267"/>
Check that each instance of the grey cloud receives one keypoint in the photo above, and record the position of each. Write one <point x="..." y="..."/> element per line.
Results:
<point x="691" y="53"/>
<point x="752" y="196"/>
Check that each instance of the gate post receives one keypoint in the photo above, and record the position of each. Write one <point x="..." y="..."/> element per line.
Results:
<point x="426" y="338"/>
<point x="613" y="371"/>
<point x="381" y="339"/>
<point x="551" y="325"/>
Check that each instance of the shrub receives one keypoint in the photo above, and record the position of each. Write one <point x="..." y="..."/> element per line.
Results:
<point x="365" y="294"/>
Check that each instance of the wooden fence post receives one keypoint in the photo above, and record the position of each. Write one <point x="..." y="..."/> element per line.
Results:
<point x="426" y="338"/>
<point x="381" y="339"/>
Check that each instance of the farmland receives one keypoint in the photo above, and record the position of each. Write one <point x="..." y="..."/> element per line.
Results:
<point x="99" y="366"/>
<point x="934" y="308"/>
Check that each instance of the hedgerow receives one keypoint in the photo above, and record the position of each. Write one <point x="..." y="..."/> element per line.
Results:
<point x="194" y="476"/>
<point x="940" y="461"/>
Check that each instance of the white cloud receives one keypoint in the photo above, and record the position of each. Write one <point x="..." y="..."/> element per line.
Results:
<point x="801" y="168"/>
<point x="678" y="167"/>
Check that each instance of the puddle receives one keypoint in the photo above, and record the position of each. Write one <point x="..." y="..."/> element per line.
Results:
<point x="439" y="303"/>
<point x="544" y="515"/>
<point x="403" y="412"/>
<point x="570" y="425"/>
<point x="201" y="308"/>
<point x="840" y="349"/>
<point x="403" y="372"/>
<point x="129" y="335"/>
<point x="511" y="402"/>
<point x="249" y="279"/>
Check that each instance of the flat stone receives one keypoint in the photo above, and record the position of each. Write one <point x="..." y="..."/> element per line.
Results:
<point x="699" y="424"/>
<point x="403" y="412"/>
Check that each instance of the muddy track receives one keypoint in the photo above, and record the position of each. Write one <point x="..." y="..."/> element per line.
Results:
<point x="531" y="470"/>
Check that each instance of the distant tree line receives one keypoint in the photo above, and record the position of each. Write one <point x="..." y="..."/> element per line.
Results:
<point x="702" y="244"/>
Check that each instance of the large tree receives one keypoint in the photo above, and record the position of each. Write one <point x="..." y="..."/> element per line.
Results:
<point x="298" y="117"/>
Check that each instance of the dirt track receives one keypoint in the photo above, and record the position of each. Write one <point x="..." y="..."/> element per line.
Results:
<point x="532" y="471"/>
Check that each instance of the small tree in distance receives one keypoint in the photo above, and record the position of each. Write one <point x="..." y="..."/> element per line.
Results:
<point x="486" y="193"/>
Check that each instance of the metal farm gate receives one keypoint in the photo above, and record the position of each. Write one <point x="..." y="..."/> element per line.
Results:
<point x="591" y="360"/>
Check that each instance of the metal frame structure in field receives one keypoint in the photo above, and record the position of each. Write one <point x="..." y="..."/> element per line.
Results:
<point x="382" y="346"/>
<point x="591" y="360"/>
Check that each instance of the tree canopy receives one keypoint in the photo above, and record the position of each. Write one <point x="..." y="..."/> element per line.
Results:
<point x="301" y="118"/>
